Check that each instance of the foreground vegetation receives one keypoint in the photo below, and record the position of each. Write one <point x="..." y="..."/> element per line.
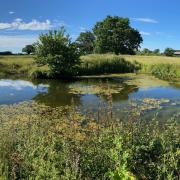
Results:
<point x="39" y="142"/>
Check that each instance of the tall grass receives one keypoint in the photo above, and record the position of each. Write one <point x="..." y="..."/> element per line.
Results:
<point x="166" y="71"/>
<point x="107" y="65"/>
<point x="16" y="66"/>
<point x="39" y="142"/>
<point x="160" y="66"/>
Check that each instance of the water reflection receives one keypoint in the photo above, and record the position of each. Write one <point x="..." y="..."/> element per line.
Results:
<point x="15" y="91"/>
<point x="57" y="94"/>
<point x="87" y="91"/>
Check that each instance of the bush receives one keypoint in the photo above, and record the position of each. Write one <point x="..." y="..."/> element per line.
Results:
<point x="165" y="71"/>
<point x="56" y="50"/>
<point x="6" y="53"/>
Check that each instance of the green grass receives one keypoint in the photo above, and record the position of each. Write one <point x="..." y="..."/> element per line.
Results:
<point x="16" y="65"/>
<point x="160" y="66"/>
<point x="107" y="65"/>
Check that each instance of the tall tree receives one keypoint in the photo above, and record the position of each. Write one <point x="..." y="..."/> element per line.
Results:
<point x="146" y="51"/>
<point x="169" y="52"/>
<point x="114" y="34"/>
<point x="156" y="51"/>
<point x="28" y="49"/>
<point x="85" y="42"/>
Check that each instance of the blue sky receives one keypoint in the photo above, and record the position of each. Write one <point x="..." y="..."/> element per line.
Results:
<point x="22" y="21"/>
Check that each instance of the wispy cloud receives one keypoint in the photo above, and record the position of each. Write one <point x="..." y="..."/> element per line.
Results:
<point x="12" y="42"/>
<point x="145" y="20"/>
<point x="19" y="24"/>
<point x="20" y="85"/>
<point x="11" y="12"/>
<point x="82" y="29"/>
<point x="145" y="33"/>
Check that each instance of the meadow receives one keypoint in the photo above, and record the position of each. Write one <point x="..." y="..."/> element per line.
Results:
<point x="160" y="66"/>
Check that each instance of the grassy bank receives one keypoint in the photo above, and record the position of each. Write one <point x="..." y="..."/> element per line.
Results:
<point x="25" y="66"/>
<point x="160" y="66"/>
<point x="19" y="66"/>
<point x="39" y="142"/>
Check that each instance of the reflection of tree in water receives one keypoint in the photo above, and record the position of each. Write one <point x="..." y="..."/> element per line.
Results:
<point x="124" y="94"/>
<point x="102" y="87"/>
<point x="57" y="94"/>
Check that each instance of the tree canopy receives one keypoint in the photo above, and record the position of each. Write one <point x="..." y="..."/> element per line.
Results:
<point x="169" y="52"/>
<point x="85" y="42"/>
<point x="28" y="49"/>
<point x="56" y="50"/>
<point x="114" y="34"/>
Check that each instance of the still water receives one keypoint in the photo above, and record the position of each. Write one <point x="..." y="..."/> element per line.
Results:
<point x="90" y="92"/>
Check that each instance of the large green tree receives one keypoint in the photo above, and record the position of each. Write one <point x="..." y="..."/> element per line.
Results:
<point x="28" y="49"/>
<point x="169" y="52"/>
<point x="57" y="51"/>
<point x="85" y="42"/>
<point x="114" y="34"/>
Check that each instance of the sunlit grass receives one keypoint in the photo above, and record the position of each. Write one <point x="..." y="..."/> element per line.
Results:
<point x="141" y="59"/>
<point x="160" y="66"/>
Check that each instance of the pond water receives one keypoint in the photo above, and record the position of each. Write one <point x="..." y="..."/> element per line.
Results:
<point x="127" y="89"/>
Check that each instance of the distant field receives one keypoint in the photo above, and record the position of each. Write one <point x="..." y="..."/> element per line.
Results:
<point x="21" y="60"/>
<point x="152" y="60"/>
<point x="28" y="60"/>
<point x="16" y="66"/>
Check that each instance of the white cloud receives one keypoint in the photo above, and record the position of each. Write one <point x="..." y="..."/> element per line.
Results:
<point x="82" y="29"/>
<point x="145" y="20"/>
<point x="11" y="12"/>
<point x="19" y="24"/>
<point x="16" y="42"/>
<point x="20" y="85"/>
<point x="145" y="33"/>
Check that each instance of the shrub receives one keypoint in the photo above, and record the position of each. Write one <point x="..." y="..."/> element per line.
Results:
<point x="165" y="71"/>
<point x="6" y="53"/>
<point x="56" y="50"/>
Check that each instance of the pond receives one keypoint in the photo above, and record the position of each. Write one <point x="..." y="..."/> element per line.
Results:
<point x="125" y="91"/>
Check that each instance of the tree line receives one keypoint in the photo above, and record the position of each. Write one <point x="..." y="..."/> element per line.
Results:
<point x="112" y="35"/>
